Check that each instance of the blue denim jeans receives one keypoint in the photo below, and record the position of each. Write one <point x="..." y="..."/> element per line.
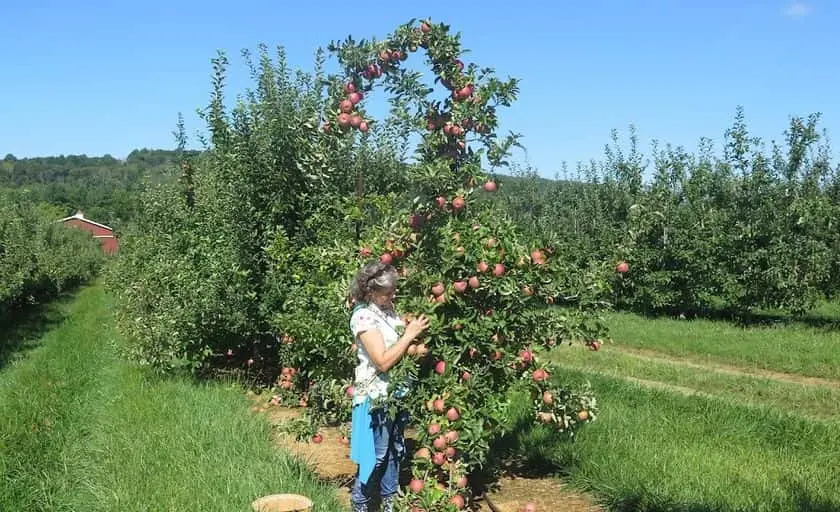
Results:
<point x="389" y="441"/>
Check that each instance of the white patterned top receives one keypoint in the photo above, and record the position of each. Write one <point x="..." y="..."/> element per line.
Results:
<point x="368" y="381"/>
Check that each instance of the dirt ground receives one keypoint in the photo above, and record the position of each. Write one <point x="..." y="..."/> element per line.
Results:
<point x="330" y="460"/>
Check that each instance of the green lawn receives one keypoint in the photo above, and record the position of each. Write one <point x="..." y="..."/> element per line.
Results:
<point x="809" y="351"/>
<point x="673" y="436"/>
<point x="80" y="430"/>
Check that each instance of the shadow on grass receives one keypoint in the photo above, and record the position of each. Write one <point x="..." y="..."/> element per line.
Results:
<point x="22" y="328"/>
<point x="811" y="319"/>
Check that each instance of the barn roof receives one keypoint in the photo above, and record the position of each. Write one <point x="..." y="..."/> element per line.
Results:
<point x="81" y="216"/>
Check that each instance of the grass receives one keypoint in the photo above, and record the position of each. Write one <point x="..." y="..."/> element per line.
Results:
<point x="82" y="430"/>
<point x="705" y="436"/>
<point x="820" y="402"/>
<point x="653" y="450"/>
<point x="800" y="349"/>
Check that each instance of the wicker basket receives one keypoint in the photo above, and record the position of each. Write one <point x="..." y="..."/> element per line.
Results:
<point x="282" y="503"/>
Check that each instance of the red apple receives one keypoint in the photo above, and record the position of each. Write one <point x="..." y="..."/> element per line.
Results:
<point x="439" y="405"/>
<point x="490" y="186"/>
<point x="363" y="127"/>
<point x="355" y="97"/>
<point x="460" y="286"/>
<point x="466" y="376"/>
<point x="450" y="452"/>
<point x="458" y="501"/>
<point x="439" y="443"/>
<point x="622" y="268"/>
<point x="433" y="429"/>
<point x="441" y="201"/>
<point x="452" y="436"/>
<point x="355" y="120"/>
<point x="440" y="367"/>
<point x="498" y="270"/>
<point x="538" y="257"/>
<point x="416" y="485"/>
<point x="452" y="414"/>
<point x="473" y="282"/>
<point x="425" y="27"/>
<point x="438" y="289"/>
<point x="350" y="390"/>
<point x="346" y="106"/>
<point x="439" y="458"/>
<point x="462" y="482"/>
<point x="547" y="397"/>
<point x="349" y="88"/>
<point x="458" y="203"/>
<point x="386" y="258"/>
<point x="483" y="267"/>
<point x="530" y="507"/>
<point x="527" y="356"/>
<point x="344" y="119"/>
<point x="539" y="375"/>
<point x="317" y="438"/>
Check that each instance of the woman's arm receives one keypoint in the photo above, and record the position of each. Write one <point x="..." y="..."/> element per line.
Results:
<point x="384" y="359"/>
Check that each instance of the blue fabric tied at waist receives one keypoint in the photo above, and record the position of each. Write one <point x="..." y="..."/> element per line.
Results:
<point x="362" y="449"/>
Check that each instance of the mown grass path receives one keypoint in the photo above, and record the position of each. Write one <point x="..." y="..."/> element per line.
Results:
<point x="82" y="430"/>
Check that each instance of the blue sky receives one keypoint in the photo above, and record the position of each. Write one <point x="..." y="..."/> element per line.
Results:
<point x="107" y="77"/>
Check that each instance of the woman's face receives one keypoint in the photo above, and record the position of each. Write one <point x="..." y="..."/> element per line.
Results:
<point x="384" y="298"/>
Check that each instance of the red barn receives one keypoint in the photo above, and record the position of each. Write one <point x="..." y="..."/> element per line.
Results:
<point x="106" y="236"/>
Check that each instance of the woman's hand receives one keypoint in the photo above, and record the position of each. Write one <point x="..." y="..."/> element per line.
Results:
<point x="416" y="327"/>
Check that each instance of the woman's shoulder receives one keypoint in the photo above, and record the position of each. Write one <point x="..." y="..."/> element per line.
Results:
<point x="361" y="319"/>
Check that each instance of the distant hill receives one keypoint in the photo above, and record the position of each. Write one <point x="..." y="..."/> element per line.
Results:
<point x="104" y="187"/>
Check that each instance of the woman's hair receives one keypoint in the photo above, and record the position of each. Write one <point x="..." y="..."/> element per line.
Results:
<point x="373" y="277"/>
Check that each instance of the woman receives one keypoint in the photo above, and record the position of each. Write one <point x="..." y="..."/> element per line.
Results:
<point x="377" y="442"/>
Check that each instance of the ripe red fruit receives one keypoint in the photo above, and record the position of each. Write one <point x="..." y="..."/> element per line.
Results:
<point x="346" y="106"/>
<point x="450" y="452"/>
<point x="483" y="267"/>
<point x="527" y="356"/>
<point x="440" y="367"/>
<point x="416" y="485"/>
<point x="547" y="397"/>
<point x="452" y="436"/>
<point x="490" y="186"/>
<point x="530" y="507"/>
<point x="622" y="268"/>
<point x="452" y="414"/>
<point x="354" y="97"/>
<point x="458" y="501"/>
<point x="416" y="221"/>
<point x="425" y="27"/>
<point x="344" y="119"/>
<point x="439" y="405"/>
<point x="397" y="55"/>
<point x="434" y="429"/>
<point x="474" y="283"/>
<point x="317" y="439"/>
<point x="350" y="390"/>
<point x="441" y="201"/>
<point x="439" y="458"/>
<point x="538" y="257"/>
<point x="464" y="92"/>
<point x="458" y="203"/>
<point x="286" y="384"/>
<point x="539" y="375"/>
<point x="460" y="286"/>
<point x="440" y="299"/>
<point x="438" y="289"/>
<point x="439" y="443"/>
<point x="355" y="120"/>
<point x="386" y="258"/>
<point x="349" y="88"/>
<point x="499" y="270"/>
<point x="466" y="376"/>
<point x="363" y="127"/>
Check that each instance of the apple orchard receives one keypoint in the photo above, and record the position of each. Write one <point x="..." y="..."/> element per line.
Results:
<point x="497" y="300"/>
